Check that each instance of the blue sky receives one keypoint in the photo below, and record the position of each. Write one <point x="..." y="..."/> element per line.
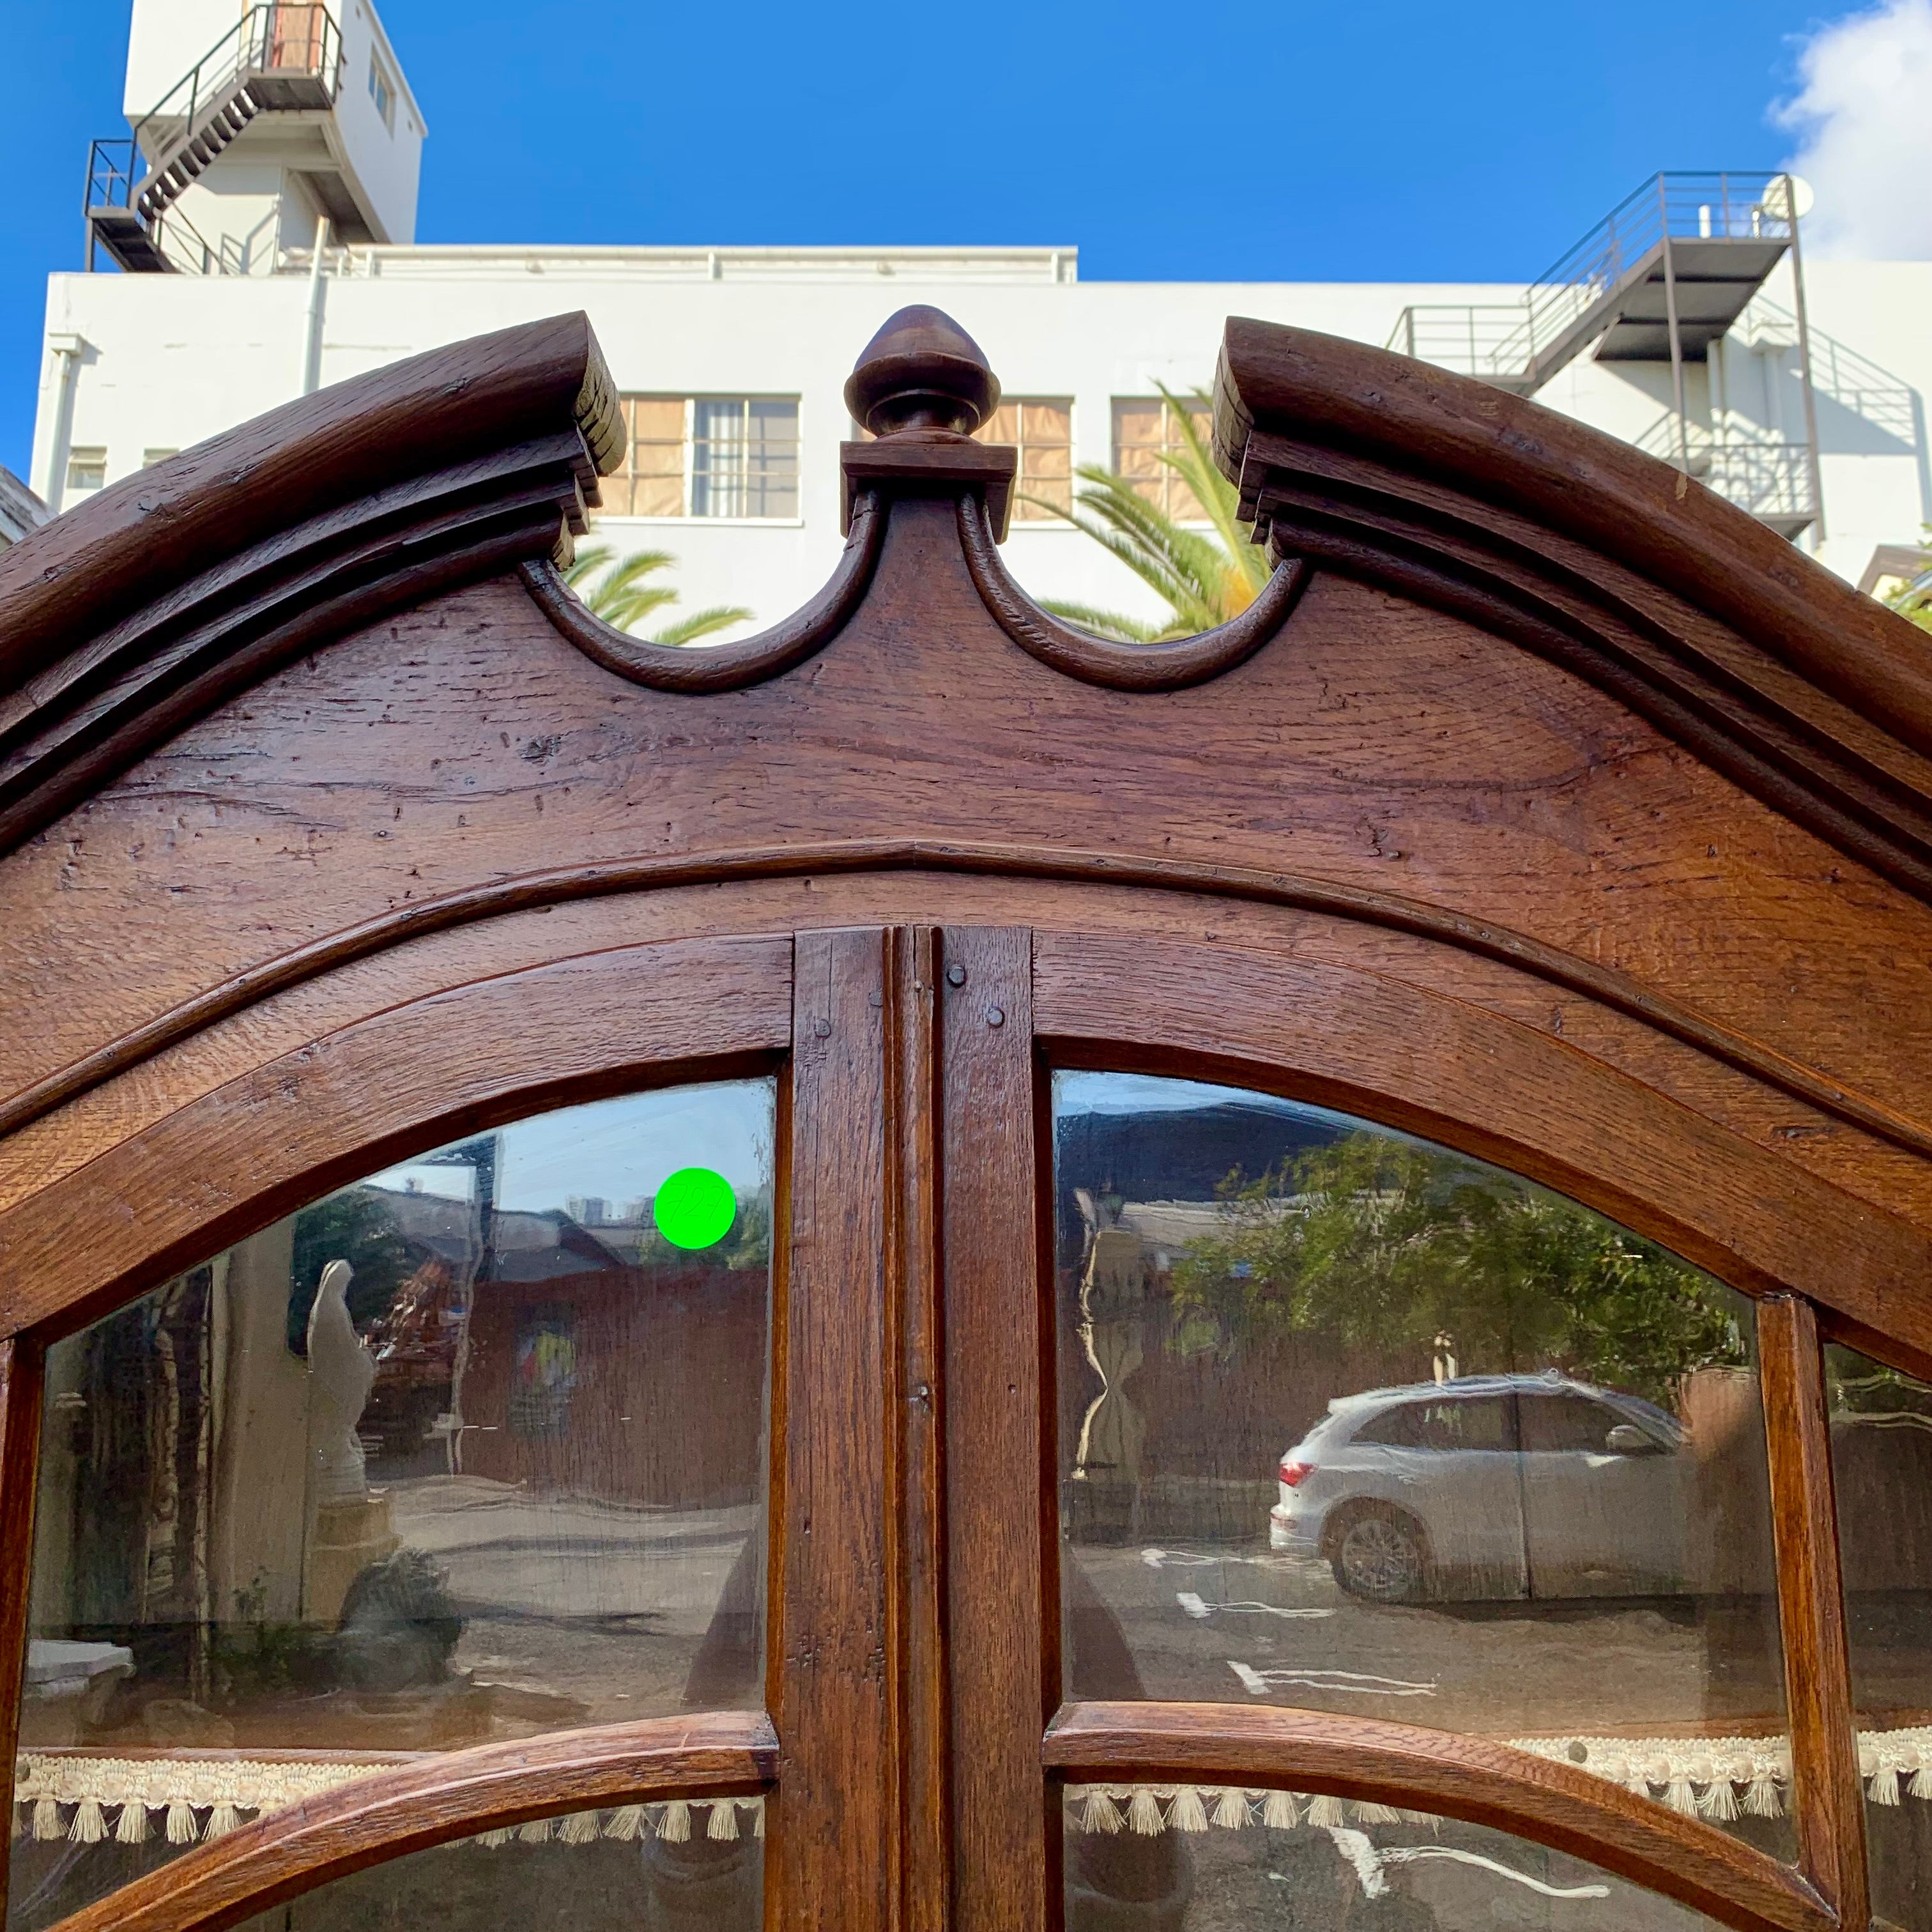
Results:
<point x="1394" y="141"/>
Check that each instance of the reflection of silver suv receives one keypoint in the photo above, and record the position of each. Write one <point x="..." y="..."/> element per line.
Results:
<point x="1489" y="1486"/>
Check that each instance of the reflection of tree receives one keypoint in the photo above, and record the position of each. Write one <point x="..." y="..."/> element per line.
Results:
<point x="356" y="1226"/>
<point x="1371" y="1241"/>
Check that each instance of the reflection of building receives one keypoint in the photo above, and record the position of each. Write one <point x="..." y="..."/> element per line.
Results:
<point x="538" y="1350"/>
<point x="732" y="423"/>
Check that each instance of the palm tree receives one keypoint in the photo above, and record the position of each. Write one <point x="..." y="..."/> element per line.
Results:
<point x="1203" y="580"/>
<point x="617" y="593"/>
<point x="1912" y="599"/>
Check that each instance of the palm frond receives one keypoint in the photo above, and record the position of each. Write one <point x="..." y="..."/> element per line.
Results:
<point x="1110" y="624"/>
<point x="1194" y="464"/>
<point x="701" y="623"/>
<point x="616" y="592"/>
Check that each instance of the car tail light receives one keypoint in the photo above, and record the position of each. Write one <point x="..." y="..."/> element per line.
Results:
<point x="1291" y="1473"/>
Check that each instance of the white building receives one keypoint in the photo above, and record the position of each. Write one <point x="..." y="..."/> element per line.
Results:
<point x="732" y="359"/>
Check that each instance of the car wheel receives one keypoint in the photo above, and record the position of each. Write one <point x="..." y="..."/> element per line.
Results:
<point x="1380" y="1557"/>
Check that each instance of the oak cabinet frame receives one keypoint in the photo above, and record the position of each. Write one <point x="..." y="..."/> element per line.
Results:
<point x="1241" y="858"/>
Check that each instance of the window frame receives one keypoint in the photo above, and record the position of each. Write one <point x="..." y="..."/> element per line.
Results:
<point x="1168" y="478"/>
<point x="686" y="515"/>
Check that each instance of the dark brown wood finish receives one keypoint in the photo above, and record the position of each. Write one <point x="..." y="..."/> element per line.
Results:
<point x="169" y="593"/>
<point x="920" y="1474"/>
<point x="22" y="1361"/>
<point x="1560" y="813"/>
<point x="1002" y="1614"/>
<point x="430" y="1801"/>
<point x="723" y="667"/>
<point x="1601" y="493"/>
<point x="1828" y="1791"/>
<point x="1172" y="666"/>
<point x="567" y="885"/>
<point x="1472" y="1778"/>
<point x="836" y="1850"/>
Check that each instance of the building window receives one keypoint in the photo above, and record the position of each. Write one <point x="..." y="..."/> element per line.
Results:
<point x="1041" y="427"/>
<point x="707" y="456"/>
<point x="744" y="457"/>
<point x="86" y="468"/>
<point x="149" y="458"/>
<point x="1145" y="434"/>
<point x="382" y="92"/>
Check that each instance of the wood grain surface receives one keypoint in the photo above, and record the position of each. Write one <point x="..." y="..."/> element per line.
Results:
<point x="430" y="1801"/>
<point x="919" y="1646"/>
<point x="1374" y="748"/>
<point x="1003" y="1616"/>
<point x="745" y="661"/>
<point x="1474" y="1779"/>
<point x="836" y="1852"/>
<point x="1171" y="665"/>
<point x="1828" y="1791"/>
<point x="1506" y="450"/>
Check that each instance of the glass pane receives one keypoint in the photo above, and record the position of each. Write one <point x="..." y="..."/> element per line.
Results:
<point x="1352" y="1422"/>
<point x="1881" y="1468"/>
<point x="1199" y="1859"/>
<point x="597" y="1871"/>
<point x="473" y="1449"/>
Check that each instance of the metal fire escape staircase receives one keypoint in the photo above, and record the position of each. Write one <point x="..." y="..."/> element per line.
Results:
<point x="1665" y="274"/>
<point x="276" y="58"/>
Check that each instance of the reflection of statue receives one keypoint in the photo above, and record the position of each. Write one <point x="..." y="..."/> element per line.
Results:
<point x="340" y="1375"/>
<point x="350" y="1529"/>
<point x="1113" y="1432"/>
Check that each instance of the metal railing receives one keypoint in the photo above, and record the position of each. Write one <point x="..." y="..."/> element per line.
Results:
<point x="276" y="37"/>
<point x="1771" y="481"/>
<point x="1720" y="206"/>
<point x="1469" y="337"/>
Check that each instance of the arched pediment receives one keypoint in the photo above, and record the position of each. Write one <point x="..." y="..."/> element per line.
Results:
<point x="1514" y="691"/>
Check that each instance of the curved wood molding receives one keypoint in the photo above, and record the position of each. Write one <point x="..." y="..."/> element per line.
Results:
<point x="146" y="607"/>
<point x="1595" y="623"/>
<point x="1118" y="667"/>
<point x="1470" y="1778"/>
<point x="1299" y="385"/>
<point x="1571" y="971"/>
<point x="730" y="667"/>
<point x="430" y="1801"/>
<point x="278" y="1136"/>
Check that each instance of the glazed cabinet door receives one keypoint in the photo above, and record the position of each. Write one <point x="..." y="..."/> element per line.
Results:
<point x="398" y="1479"/>
<point x="1419" y="1542"/>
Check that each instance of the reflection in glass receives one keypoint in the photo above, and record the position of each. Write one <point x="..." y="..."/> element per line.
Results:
<point x="472" y="1449"/>
<point x="1352" y="1422"/>
<point x="1882" y="1470"/>
<point x="1189" y="1857"/>
<point x="614" y="1871"/>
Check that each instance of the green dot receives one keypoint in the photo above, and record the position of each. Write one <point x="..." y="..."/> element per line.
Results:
<point x="695" y="1208"/>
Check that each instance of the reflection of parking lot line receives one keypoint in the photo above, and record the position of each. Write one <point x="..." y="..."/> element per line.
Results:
<point x="1368" y="1860"/>
<point x="1190" y="1559"/>
<point x="1257" y="1683"/>
<point x="1195" y="1606"/>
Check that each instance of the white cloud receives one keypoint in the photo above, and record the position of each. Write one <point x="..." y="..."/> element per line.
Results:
<point x="1863" y="118"/>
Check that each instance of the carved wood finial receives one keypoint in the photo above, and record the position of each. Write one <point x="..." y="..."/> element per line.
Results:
<point x="922" y="371"/>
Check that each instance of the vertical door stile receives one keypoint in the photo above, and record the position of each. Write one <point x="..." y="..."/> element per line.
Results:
<point x="920" y="1652"/>
<point x="1002" y="1619"/>
<point x="22" y="1366"/>
<point x="837" y="1844"/>
<point x="1827" y="1792"/>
